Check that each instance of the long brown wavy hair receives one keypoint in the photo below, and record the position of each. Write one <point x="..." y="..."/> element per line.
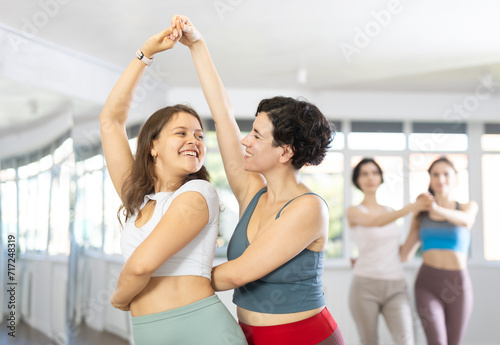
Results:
<point x="142" y="177"/>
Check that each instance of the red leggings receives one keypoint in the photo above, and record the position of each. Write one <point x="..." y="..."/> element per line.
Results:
<point x="318" y="329"/>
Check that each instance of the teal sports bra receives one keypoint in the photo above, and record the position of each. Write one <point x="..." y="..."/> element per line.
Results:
<point x="295" y="286"/>
<point x="444" y="235"/>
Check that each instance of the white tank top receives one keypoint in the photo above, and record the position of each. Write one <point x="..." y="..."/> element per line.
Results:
<point x="196" y="258"/>
<point x="378" y="251"/>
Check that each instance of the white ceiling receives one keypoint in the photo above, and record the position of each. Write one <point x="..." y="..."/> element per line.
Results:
<point x="423" y="46"/>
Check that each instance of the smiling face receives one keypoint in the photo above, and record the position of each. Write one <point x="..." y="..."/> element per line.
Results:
<point x="369" y="178"/>
<point x="260" y="154"/>
<point x="180" y="149"/>
<point x="443" y="178"/>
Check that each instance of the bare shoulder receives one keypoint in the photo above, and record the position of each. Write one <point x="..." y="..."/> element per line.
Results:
<point x="309" y="216"/>
<point x="307" y="205"/>
<point x="189" y="207"/>
<point x="353" y="210"/>
<point x="190" y="199"/>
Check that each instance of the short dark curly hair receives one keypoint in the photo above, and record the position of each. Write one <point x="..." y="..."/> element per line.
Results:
<point x="357" y="170"/>
<point x="301" y="125"/>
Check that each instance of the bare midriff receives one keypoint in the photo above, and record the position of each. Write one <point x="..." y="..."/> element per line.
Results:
<point x="166" y="293"/>
<point x="445" y="259"/>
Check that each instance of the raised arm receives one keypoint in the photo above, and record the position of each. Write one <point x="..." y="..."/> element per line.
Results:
<point x="114" y="115"/>
<point x="465" y="216"/>
<point x="356" y="216"/>
<point x="182" y="222"/>
<point x="305" y="221"/>
<point x="228" y="134"/>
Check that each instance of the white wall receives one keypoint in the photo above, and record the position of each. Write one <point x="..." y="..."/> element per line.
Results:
<point x="41" y="293"/>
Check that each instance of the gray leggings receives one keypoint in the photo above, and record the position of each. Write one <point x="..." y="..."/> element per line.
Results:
<point x="369" y="297"/>
<point x="444" y="303"/>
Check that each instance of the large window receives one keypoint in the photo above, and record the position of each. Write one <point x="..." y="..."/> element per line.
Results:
<point x="36" y="198"/>
<point x="89" y="202"/>
<point x="490" y="143"/>
<point x="60" y="199"/>
<point x="97" y="203"/>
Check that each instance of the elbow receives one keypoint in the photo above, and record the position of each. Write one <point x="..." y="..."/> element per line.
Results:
<point x="228" y="276"/>
<point x="469" y="221"/>
<point x="469" y="224"/>
<point x="233" y="278"/>
<point x="103" y="117"/>
<point x="237" y="279"/>
<point x="107" y="121"/>
<point x="139" y="269"/>
<point x="104" y="121"/>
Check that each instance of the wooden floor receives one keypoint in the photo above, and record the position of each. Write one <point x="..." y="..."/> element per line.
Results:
<point x="26" y="335"/>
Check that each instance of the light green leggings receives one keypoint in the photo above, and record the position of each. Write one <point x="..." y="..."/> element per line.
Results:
<point x="203" y="322"/>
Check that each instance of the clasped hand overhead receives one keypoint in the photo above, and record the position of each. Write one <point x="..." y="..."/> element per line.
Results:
<point x="181" y="30"/>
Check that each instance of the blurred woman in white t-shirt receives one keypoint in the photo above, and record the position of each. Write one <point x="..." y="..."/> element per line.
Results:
<point x="378" y="285"/>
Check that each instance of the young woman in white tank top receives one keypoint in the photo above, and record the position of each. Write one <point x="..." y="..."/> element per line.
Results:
<point x="378" y="285"/>
<point x="171" y="217"/>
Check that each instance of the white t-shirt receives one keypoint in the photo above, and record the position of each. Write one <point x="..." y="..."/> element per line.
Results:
<point x="196" y="258"/>
<point x="378" y="251"/>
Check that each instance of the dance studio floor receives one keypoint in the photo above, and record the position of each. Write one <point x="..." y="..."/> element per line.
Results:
<point x="26" y="335"/>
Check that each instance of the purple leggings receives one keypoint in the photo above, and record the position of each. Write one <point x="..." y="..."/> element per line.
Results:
<point x="444" y="303"/>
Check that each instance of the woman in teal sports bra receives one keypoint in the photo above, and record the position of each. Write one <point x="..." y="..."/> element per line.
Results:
<point x="276" y="254"/>
<point x="443" y="290"/>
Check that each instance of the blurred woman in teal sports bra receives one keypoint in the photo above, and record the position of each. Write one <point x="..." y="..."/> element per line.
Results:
<point x="443" y="290"/>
